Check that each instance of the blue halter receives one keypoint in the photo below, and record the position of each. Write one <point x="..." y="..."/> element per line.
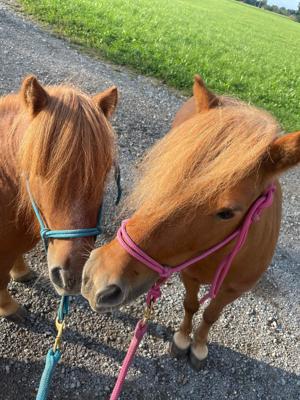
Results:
<point x="54" y="355"/>
<point x="47" y="233"/>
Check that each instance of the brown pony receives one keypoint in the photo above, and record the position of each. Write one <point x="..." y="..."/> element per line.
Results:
<point x="196" y="186"/>
<point x="60" y="140"/>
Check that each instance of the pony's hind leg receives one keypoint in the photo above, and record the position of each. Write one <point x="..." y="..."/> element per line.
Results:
<point x="20" y="272"/>
<point x="199" y="350"/>
<point x="181" y="339"/>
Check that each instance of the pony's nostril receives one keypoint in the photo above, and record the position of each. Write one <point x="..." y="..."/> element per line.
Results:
<point x="109" y="296"/>
<point x="57" y="277"/>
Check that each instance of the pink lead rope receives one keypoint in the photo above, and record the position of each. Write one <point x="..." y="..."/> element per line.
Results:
<point x="264" y="201"/>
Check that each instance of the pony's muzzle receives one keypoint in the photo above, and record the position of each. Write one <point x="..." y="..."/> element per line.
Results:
<point x="111" y="296"/>
<point x="63" y="280"/>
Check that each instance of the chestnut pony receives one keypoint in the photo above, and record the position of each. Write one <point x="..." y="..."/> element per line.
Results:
<point x="196" y="186"/>
<point x="60" y="141"/>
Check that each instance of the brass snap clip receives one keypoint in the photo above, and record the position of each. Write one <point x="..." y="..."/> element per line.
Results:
<point x="60" y="326"/>
<point x="148" y="312"/>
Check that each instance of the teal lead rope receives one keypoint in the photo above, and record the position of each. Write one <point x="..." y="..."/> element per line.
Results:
<point x="50" y="364"/>
<point x="54" y="354"/>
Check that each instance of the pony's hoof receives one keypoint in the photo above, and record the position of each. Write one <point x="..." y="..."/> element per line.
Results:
<point x="195" y="363"/>
<point x="177" y="352"/>
<point x="25" y="278"/>
<point x="19" y="317"/>
<point x="198" y="361"/>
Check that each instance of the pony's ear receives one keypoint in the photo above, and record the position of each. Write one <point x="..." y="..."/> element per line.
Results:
<point x="107" y="101"/>
<point x="34" y="95"/>
<point x="203" y="97"/>
<point x="284" y="153"/>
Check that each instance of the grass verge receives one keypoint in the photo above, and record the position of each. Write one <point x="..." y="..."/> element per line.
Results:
<point x="239" y="50"/>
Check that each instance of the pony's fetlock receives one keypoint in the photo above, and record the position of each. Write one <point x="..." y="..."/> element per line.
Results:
<point x="8" y="306"/>
<point x="181" y="340"/>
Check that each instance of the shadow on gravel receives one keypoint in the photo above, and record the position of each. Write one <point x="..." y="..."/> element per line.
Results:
<point x="228" y="372"/>
<point x="20" y="380"/>
<point x="227" y="375"/>
<point x="155" y="329"/>
<point x="44" y="326"/>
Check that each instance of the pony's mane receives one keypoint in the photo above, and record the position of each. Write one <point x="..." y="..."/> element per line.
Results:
<point x="70" y="145"/>
<point x="200" y="159"/>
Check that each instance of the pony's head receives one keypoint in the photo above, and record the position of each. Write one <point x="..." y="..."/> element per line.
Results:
<point x="196" y="186"/>
<point x="65" y="154"/>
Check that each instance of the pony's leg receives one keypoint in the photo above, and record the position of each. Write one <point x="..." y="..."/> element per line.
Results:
<point x="181" y="339"/>
<point x="20" y="272"/>
<point x="8" y="305"/>
<point x="199" y="350"/>
<point x="9" y="308"/>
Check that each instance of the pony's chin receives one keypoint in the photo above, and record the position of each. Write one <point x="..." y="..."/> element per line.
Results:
<point x="105" y="309"/>
<point x="131" y="296"/>
<point x="136" y="292"/>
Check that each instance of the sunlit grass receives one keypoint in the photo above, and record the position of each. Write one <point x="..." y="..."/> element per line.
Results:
<point x="240" y="50"/>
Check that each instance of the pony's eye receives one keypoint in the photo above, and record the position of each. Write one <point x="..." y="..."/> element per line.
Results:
<point x="226" y="214"/>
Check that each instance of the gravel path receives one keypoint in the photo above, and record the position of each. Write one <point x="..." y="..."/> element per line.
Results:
<point x="253" y="348"/>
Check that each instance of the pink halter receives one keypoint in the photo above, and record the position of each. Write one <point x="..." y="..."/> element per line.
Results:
<point x="240" y="234"/>
<point x="264" y="201"/>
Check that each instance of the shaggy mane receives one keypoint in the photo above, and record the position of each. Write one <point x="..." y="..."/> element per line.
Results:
<point x="200" y="159"/>
<point x="70" y="144"/>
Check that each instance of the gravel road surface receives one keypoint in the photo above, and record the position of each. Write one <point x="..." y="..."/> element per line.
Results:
<point x="254" y="348"/>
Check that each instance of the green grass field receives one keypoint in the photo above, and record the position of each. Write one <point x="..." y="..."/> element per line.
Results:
<point x="239" y="50"/>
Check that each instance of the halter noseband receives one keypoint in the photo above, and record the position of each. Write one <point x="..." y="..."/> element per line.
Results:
<point x="47" y="233"/>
